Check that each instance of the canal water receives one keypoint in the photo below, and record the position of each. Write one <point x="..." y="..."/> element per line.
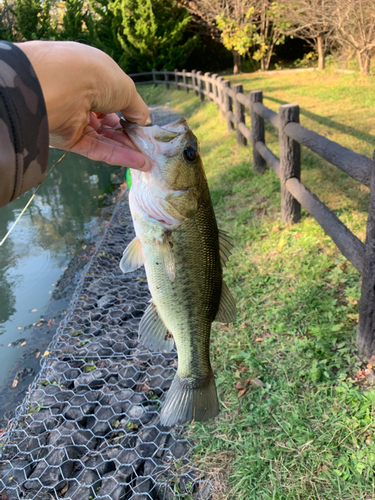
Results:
<point x="39" y="249"/>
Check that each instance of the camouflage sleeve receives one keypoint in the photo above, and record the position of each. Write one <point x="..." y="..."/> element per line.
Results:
<point x="23" y="125"/>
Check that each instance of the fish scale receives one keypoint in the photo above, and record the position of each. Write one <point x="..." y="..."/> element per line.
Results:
<point x="189" y="304"/>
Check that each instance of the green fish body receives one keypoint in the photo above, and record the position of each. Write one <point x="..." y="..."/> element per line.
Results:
<point x="183" y="251"/>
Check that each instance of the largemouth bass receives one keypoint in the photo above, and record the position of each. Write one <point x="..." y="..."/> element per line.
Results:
<point x="178" y="241"/>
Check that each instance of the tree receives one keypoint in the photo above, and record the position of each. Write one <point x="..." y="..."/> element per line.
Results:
<point x="104" y="28"/>
<point x="269" y="24"/>
<point x="311" y="20"/>
<point x="152" y="34"/>
<point x="33" y="19"/>
<point x="7" y="21"/>
<point x="241" y="25"/>
<point x="355" y="26"/>
<point x="231" y="21"/>
<point x="74" y="20"/>
<point x="236" y="38"/>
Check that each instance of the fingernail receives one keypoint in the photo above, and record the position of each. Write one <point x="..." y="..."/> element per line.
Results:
<point x="146" y="166"/>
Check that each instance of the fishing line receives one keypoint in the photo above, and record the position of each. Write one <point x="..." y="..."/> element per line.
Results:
<point x="37" y="189"/>
<point x="49" y="171"/>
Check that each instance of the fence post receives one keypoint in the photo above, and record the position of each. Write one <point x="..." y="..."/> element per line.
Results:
<point x="154" y="77"/>
<point x="194" y="82"/>
<point x="227" y="104"/>
<point x="257" y="128"/>
<point x="166" y="79"/>
<point x="221" y="95"/>
<point x="200" y="82"/>
<point x="208" y="85"/>
<point x="176" y="79"/>
<point x="290" y="163"/>
<point x="184" y="80"/>
<point x="215" y="89"/>
<point x="366" y="323"/>
<point x="239" y="113"/>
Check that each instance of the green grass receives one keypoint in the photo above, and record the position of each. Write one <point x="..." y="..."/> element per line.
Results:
<point x="295" y="422"/>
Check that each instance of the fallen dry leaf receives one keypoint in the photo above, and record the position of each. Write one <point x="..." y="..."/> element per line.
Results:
<point x="240" y="385"/>
<point x="34" y="310"/>
<point x="23" y="343"/>
<point x="257" y="382"/>
<point x="64" y="490"/>
<point x="370" y="376"/>
<point x="360" y="375"/>
<point x="243" y="325"/>
<point x="19" y="327"/>
<point x="241" y="393"/>
<point x="15" y="383"/>
<point x="37" y="354"/>
<point x="39" y="324"/>
<point x="259" y="339"/>
<point x="45" y="353"/>
<point x="371" y="361"/>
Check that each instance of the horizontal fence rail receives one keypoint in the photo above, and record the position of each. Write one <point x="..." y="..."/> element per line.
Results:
<point x="233" y="103"/>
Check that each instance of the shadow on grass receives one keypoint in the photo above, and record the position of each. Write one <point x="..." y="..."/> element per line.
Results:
<point x="321" y="177"/>
<point x="345" y="129"/>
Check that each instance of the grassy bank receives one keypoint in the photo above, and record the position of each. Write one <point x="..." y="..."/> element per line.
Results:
<point x="296" y="417"/>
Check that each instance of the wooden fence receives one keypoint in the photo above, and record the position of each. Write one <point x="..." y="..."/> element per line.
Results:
<point x="233" y="102"/>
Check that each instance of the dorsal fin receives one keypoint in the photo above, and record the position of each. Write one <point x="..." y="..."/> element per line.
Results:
<point x="227" y="307"/>
<point x="225" y="246"/>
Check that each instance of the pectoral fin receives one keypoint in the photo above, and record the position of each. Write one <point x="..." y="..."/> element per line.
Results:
<point x="227" y="307"/>
<point x="166" y="254"/>
<point x="152" y="331"/>
<point x="225" y="246"/>
<point x="132" y="257"/>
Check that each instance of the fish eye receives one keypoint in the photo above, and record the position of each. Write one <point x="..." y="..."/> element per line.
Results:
<point x="190" y="154"/>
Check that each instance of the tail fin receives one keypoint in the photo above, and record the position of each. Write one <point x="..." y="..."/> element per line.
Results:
<point x="185" y="403"/>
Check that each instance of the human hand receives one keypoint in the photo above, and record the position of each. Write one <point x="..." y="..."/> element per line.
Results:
<point x="83" y="88"/>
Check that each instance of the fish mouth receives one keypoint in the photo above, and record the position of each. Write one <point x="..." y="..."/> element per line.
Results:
<point x="156" y="139"/>
<point x="179" y="125"/>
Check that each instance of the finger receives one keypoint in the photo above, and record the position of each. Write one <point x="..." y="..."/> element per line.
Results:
<point x="118" y="92"/>
<point x="118" y="136"/>
<point x="100" y="148"/>
<point x="136" y="110"/>
<point x="96" y="126"/>
<point x="109" y="120"/>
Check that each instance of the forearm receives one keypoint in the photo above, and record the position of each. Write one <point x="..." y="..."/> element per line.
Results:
<point x="23" y="125"/>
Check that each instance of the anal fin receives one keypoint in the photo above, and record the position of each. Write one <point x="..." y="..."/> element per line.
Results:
<point x="227" y="307"/>
<point x="153" y="333"/>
